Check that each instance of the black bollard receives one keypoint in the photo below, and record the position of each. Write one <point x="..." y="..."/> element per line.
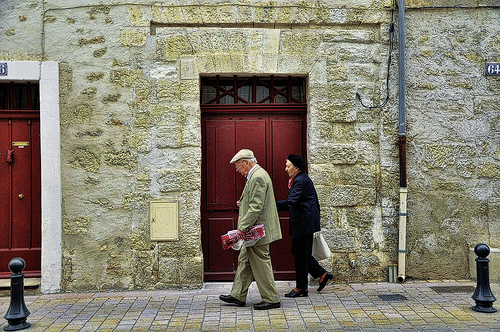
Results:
<point x="483" y="295"/>
<point x="18" y="312"/>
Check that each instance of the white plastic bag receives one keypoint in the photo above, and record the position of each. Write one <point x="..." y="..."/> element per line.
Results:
<point x="242" y="244"/>
<point x="320" y="248"/>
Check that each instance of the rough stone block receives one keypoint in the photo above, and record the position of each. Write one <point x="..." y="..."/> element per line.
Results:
<point x="360" y="175"/>
<point x="168" y="271"/>
<point x="336" y="132"/>
<point x="299" y="42"/>
<point x="188" y="68"/>
<point x="336" y="35"/>
<point x="293" y="64"/>
<point x="87" y="159"/>
<point x="336" y="154"/>
<point x="133" y="37"/>
<point x="336" y="72"/>
<point x="169" y="137"/>
<point x="331" y="111"/>
<point x="226" y="13"/>
<point x="494" y="219"/>
<point x="344" y="195"/>
<point x="120" y="158"/>
<point x="493" y="265"/>
<point x="367" y="196"/>
<point x="177" y="46"/>
<point x="360" y="217"/>
<point x="178" y="181"/>
<point x="489" y="171"/>
<point x="340" y="240"/>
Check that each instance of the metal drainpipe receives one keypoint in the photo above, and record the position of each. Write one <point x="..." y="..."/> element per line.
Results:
<point x="403" y="190"/>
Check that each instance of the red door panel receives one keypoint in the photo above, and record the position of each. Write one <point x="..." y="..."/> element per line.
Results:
<point x="220" y="195"/>
<point x="36" y="187"/>
<point x="219" y="198"/>
<point x="250" y="134"/>
<point x="21" y="185"/>
<point x="272" y="137"/>
<point x="220" y="260"/>
<point x="20" y="205"/>
<point x="5" y="195"/>
<point x="288" y="136"/>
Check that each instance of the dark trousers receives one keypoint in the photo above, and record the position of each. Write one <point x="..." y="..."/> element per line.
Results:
<point x="304" y="261"/>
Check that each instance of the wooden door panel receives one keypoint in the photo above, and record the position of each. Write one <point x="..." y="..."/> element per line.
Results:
<point x="5" y="195"/>
<point x="20" y="201"/>
<point x="250" y="134"/>
<point x="283" y="263"/>
<point x="219" y="198"/>
<point x="287" y="138"/>
<point x="271" y="138"/>
<point x="287" y="135"/>
<point x="219" y="146"/>
<point x="21" y="186"/>
<point x="220" y="260"/>
<point x="31" y="256"/>
<point x="36" y="185"/>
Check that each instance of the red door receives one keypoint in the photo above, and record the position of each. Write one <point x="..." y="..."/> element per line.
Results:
<point x="20" y="201"/>
<point x="272" y="134"/>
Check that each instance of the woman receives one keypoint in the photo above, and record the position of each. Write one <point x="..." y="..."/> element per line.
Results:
<point x="303" y="205"/>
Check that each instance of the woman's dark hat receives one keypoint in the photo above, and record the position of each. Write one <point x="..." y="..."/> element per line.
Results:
<point x="297" y="161"/>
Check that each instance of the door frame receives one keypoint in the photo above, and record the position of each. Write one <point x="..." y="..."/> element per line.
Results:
<point x="46" y="74"/>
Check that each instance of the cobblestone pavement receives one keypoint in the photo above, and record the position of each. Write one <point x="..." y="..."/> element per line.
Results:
<point x="414" y="305"/>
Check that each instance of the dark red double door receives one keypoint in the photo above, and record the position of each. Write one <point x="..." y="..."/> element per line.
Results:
<point x="20" y="201"/>
<point x="272" y="135"/>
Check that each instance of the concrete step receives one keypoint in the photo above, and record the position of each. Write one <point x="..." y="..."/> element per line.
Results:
<point x="28" y="282"/>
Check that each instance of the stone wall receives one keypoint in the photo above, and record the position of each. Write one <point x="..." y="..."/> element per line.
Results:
<point x="130" y="126"/>
<point x="453" y="135"/>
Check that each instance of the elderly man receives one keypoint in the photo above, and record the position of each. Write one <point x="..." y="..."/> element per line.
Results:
<point x="256" y="206"/>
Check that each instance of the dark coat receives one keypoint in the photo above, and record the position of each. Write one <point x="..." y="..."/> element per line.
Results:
<point x="303" y="205"/>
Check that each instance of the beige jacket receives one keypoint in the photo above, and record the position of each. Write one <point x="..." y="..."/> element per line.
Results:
<point x="258" y="206"/>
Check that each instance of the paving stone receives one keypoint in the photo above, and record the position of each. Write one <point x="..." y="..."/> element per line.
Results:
<point x="355" y="307"/>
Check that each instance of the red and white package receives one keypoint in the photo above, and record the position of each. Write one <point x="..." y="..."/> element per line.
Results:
<point x="230" y="240"/>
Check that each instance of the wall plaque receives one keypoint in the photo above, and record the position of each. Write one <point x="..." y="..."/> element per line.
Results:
<point x="493" y="69"/>
<point x="3" y="69"/>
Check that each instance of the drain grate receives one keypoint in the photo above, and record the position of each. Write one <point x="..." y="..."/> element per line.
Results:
<point x="453" y="289"/>
<point x="392" y="297"/>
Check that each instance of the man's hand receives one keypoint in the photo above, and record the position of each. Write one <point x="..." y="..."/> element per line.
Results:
<point x="240" y="235"/>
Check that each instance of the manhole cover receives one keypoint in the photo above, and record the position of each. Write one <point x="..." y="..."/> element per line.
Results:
<point x="453" y="289"/>
<point x="392" y="297"/>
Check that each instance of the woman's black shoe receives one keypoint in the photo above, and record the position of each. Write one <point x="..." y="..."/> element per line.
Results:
<point x="293" y="293"/>
<point x="323" y="283"/>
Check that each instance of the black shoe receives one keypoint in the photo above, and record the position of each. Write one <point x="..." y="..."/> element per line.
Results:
<point x="230" y="299"/>
<point x="293" y="293"/>
<point x="325" y="281"/>
<point x="266" y="306"/>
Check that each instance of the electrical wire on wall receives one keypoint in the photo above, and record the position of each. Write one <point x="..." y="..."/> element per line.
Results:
<point x="391" y="39"/>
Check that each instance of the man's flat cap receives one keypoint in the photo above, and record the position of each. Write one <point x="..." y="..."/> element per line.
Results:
<point x="242" y="154"/>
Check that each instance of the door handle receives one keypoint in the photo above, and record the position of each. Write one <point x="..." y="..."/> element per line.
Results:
<point x="10" y="156"/>
<point x="21" y="196"/>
